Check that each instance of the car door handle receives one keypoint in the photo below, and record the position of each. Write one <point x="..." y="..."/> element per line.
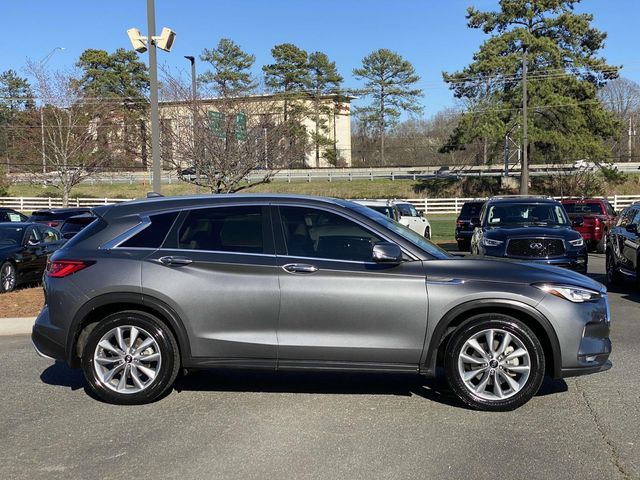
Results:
<point x="299" y="268"/>
<point x="175" y="261"/>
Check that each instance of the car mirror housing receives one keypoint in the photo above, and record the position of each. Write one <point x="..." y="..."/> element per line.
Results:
<point x="386" y="252"/>
<point x="578" y="221"/>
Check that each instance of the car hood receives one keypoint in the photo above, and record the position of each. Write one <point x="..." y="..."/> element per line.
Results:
<point x="504" y="232"/>
<point x="506" y="270"/>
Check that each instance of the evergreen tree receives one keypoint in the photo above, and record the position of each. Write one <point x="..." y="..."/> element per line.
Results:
<point x="390" y="82"/>
<point x="289" y="74"/>
<point x="566" y="120"/>
<point x="323" y="79"/>
<point x="230" y="75"/>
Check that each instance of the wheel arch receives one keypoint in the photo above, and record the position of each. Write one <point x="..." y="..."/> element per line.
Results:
<point x="99" y="307"/>
<point x="458" y="315"/>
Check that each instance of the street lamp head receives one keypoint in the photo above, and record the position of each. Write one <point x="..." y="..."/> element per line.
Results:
<point x="191" y="58"/>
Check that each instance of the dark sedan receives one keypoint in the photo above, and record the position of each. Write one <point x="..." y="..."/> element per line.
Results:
<point x="535" y="229"/>
<point x="24" y="249"/>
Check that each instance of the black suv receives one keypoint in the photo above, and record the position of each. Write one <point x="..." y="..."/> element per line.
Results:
<point x="529" y="228"/>
<point x="623" y="246"/>
<point x="467" y="220"/>
<point x="55" y="217"/>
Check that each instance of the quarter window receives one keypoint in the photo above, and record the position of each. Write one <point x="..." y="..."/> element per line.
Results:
<point x="223" y="229"/>
<point x="320" y="234"/>
<point x="49" y="235"/>
<point x="152" y="236"/>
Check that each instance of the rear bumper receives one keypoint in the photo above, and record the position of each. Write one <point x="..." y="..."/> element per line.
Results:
<point x="44" y="337"/>
<point x="463" y="234"/>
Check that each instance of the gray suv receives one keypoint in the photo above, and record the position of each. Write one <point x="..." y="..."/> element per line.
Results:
<point x="155" y="286"/>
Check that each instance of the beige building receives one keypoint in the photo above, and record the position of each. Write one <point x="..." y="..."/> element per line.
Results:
<point x="333" y="113"/>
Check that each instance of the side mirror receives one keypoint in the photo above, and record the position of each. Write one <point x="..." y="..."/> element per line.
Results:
<point x="632" y="228"/>
<point x="386" y="252"/>
<point x="578" y="222"/>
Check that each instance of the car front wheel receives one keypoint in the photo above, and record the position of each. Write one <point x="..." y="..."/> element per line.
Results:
<point x="494" y="362"/>
<point x="613" y="276"/>
<point x="130" y="358"/>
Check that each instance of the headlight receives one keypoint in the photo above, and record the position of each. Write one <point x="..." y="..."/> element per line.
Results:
<point x="489" y="242"/>
<point x="569" y="292"/>
<point x="579" y="242"/>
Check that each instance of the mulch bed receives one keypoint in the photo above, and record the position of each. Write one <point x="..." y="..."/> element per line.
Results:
<point x="24" y="302"/>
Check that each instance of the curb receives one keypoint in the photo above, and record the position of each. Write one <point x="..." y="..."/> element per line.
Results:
<point x="16" y="326"/>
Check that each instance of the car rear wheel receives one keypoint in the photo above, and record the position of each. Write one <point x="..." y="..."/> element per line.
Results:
<point x="494" y="362"/>
<point x="130" y="358"/>
<point x="8" y="278"/>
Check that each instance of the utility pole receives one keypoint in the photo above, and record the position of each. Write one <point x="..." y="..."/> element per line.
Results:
<point x="524" y="172"/>
<point x="155" y="114"/>
<point x="194" y="113"/>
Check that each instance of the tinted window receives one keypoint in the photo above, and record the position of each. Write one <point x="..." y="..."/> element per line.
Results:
<point x="33" y="236"/>
<point x="153" y="235"/>
<point x="316" y="233"/>
<point x="385" y="210"/>
<point x="223" y="229"/>
<point x="471" y="209"/>
<point x="74" y="226"/>
<point x="584" y="208"/>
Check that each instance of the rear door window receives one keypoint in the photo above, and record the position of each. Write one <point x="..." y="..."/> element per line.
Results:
<point x="238" y="229"/>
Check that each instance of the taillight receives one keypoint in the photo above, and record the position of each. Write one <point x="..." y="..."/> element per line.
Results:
<point x="64" y="268"/>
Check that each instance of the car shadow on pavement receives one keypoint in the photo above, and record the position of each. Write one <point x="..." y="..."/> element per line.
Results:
<point x="629" y="289"/>
<point x="61" y="375"/>
<point x="432" y="389"/>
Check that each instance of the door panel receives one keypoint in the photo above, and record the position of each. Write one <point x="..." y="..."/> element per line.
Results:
<point x="337" y="305"/>
<point x="227" y="302"/>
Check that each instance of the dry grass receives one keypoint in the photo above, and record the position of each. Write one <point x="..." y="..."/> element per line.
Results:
<point x="24" y="302"/>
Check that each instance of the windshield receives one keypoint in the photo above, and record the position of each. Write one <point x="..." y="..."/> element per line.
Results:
<point x="583" y="208"/>
<point x="418" y="240"/>
<point x="10" y="235"/>
<point x="501" y="214"/>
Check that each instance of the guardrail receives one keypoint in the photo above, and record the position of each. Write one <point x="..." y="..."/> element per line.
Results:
<point x="432" y="206"/>
<point x="350" y="174"/>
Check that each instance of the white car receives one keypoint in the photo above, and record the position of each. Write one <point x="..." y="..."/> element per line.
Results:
<point x="402" y="212"/>
<point x="383" y="206"/>
<point x="412" y="218"/>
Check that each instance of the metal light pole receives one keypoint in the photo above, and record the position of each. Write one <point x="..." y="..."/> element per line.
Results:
<point x="194" y="113"/>
<point x="43" y="62"/>
<point x="155" y="114"/>
<point x="524" y="172"/>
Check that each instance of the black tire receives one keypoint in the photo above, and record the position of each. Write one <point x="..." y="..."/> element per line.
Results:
<point x="601" y="246"/>
<point x="168" y="349"/>
<point x="515" y="328"/>
<point x="8" y="278"/>
<point x="463" y="245"/>
<point x="613" y="276"/>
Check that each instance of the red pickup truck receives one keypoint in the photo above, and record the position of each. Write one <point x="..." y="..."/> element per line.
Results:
<point x="592" y="217"/>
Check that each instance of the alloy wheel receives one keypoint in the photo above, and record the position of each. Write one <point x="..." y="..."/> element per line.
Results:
<point x="494" y="364"/>
<point x="127" y="359"/>
<point x="8" y="277"/>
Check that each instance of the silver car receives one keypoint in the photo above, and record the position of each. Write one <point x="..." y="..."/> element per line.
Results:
<point x="292" y="282"/>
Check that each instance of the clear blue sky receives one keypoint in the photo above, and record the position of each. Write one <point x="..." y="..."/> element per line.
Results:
<point x="430" y="33"/>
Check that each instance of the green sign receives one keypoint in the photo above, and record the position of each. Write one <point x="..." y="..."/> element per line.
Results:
<point x="216" y="124"/>
<point x="241" y="126"/>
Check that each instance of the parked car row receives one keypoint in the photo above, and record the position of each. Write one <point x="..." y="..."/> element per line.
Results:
<point x="27" y="242"/>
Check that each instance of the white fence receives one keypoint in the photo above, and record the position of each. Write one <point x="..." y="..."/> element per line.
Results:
<point x="432" y="206"/>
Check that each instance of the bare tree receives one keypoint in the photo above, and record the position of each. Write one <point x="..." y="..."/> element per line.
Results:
<point x="227" y="144"/>
<point x="75" y="135"/>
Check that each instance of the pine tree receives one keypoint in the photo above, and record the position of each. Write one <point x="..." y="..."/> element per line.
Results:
<point x="390" y="81"/>
<point x="230" y="75"/>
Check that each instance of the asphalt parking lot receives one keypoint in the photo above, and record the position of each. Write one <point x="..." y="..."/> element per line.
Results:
<point x="257" y="425"/>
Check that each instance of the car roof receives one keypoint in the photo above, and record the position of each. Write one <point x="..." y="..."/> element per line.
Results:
<point x="187" y="201"/>
<point x="522" y="199"/>
<point x="372" y="203"/>
<point x="17" y="224"/>
<point x="61" y="210"/>
<point x="582" y="200"/>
